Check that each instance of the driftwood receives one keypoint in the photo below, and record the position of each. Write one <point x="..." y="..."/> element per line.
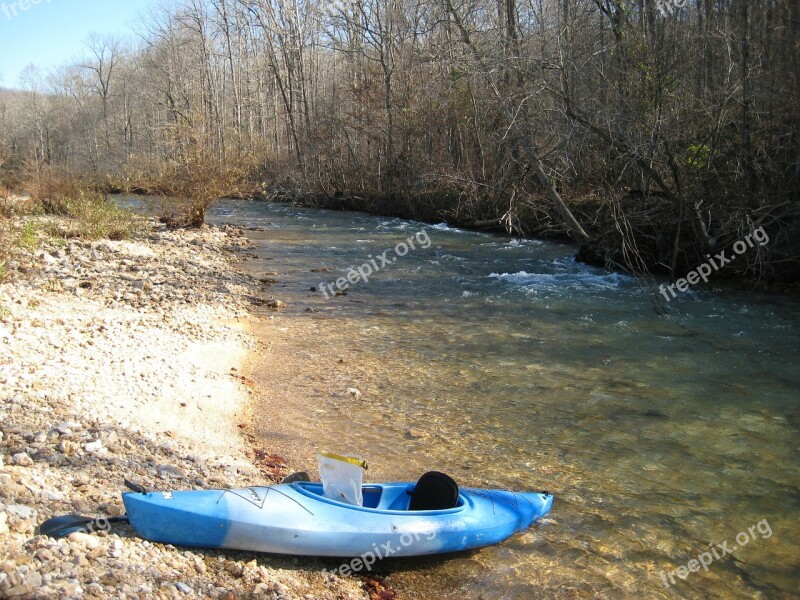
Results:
<point x="485" y="223"/>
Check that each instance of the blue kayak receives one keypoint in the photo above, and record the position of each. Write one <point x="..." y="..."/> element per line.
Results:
<point x="295" y="518"/>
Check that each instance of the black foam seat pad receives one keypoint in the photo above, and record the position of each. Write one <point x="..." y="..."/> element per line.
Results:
<point x="434" y="491"/>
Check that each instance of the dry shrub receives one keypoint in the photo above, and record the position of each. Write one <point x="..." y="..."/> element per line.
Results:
<point x="90" y="215"/>
<point x="187" y="189"/>
<point x="51" y="189"/>
<point x="6" y="206"/>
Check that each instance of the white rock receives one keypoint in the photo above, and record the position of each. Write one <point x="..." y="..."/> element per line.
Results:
<point x="22" y="459"/>
<point x="95" y="446"/>
<point x="3" y="523"/>
<point x="52" y="496"/>
<point x="21" y="511"/>
<point x="84" y="539"/>
<point x="354" y="393"/>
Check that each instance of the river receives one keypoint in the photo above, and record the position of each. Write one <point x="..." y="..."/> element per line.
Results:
<point x="506" y="363"/>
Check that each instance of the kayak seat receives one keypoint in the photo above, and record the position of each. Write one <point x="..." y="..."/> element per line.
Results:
<point x="434" y="491"/>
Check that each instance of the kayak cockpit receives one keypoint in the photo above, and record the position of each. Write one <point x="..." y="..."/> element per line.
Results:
<point x="375" y="496"/>
<point x="395" y="497"/>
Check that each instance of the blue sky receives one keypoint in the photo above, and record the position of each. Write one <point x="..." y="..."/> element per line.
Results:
<point x="50" y="32"/>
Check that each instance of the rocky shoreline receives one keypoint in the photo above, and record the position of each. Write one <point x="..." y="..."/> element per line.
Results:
<point x="122" y="359"/>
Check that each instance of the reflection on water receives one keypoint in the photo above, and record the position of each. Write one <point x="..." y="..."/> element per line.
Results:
<point x="506" y="363"/>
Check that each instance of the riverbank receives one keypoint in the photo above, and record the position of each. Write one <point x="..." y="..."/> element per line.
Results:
<point x="123" y="359"/>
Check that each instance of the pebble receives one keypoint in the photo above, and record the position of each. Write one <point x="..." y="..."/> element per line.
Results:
<point x="183" y="588"/>
<point x="21" y="459"/>
<point x="84" y="540"/>
<point x="52" y="496"/>
<point x="275" y="304"/>
<point x="199" y="566"/>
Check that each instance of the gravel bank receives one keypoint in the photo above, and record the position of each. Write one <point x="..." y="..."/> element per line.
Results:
<point x="122" y="360"/>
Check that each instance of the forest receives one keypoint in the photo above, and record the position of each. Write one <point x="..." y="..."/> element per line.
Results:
<point x="651" y="132"/>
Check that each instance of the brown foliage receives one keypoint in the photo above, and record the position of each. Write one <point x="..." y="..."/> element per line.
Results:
<point x="186" y="189"/>
<point x="377" y="588"/>
<point x="52" y="189"/>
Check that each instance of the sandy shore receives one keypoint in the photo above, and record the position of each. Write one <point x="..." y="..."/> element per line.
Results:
<point x="124" y="360"/>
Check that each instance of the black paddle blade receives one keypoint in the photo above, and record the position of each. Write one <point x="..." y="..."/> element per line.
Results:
<point x="62" y="526"/>
<point x="299" y="476"/>
<point x="135" y="487"/>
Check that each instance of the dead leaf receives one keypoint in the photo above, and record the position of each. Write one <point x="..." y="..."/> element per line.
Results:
<point x="377" y="589"/>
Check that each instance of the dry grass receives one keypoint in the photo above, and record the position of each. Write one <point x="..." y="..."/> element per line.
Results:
<point x="10" y="241"/>
<point x="6" y="240"/>
<point x="52" y="190"/>
<point x="91" y="216"/>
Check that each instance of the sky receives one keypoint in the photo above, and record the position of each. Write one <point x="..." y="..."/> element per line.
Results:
<point x="49" y="33"/>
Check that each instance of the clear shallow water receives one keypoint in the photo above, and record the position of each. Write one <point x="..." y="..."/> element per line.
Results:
<point x="508" y="364"/>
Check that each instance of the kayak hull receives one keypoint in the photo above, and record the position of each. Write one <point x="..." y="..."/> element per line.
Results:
<point x="296" y="519"/>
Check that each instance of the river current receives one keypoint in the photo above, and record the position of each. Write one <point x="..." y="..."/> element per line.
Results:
<point x="506" y="363"/>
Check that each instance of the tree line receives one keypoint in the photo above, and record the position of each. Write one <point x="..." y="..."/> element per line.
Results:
<point x="652" y="132"/>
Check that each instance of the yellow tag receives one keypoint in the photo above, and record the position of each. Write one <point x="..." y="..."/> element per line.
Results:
<point x="347" y="459"/>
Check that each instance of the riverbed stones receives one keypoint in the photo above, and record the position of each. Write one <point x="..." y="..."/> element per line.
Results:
<point x="93" y="377"/>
